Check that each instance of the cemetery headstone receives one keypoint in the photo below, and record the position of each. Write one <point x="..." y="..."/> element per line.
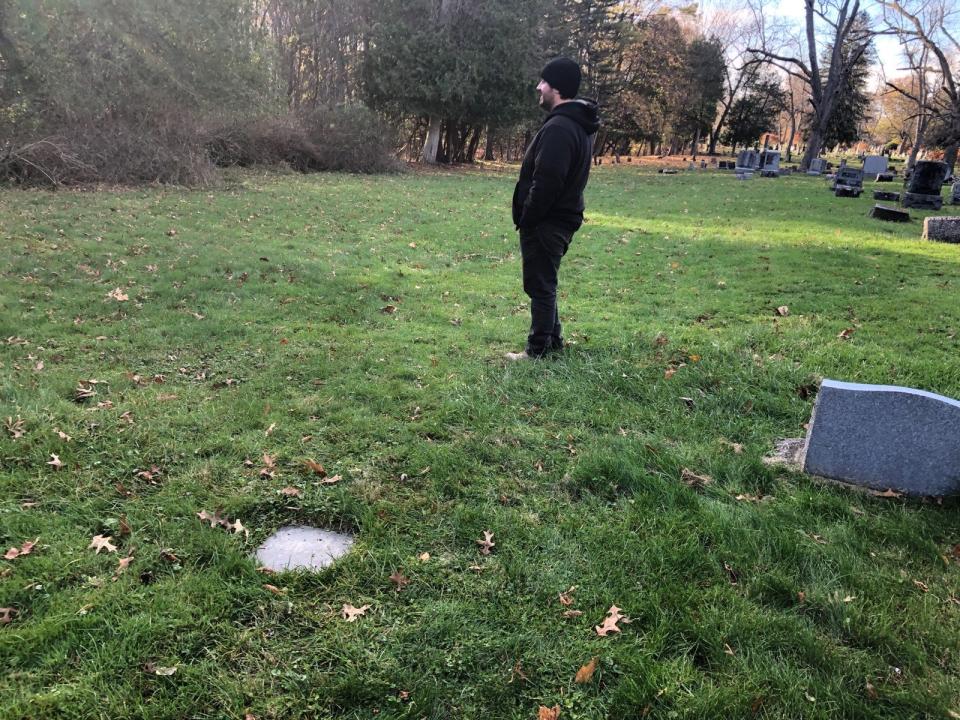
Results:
<point x="884" y="177"/>
<point x="942" y="229"/>
<point x="885" y="437"/>
<point x="747" y="160"/>
<point x="955" y="193"/>
<point x="848" y="182"/>
<point x="875" y="164"/>
<point x="890" y="214"/>
<point x="667" y="171"/>
<point x="817" y="166"/>
<point x="926" y="182"/>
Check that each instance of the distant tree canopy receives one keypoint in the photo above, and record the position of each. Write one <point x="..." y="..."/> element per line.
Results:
<point x="756" y="112"/>
<point x="249" y="80"/>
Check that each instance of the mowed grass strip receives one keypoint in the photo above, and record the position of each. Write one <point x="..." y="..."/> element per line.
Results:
<point x="359" y="322"/>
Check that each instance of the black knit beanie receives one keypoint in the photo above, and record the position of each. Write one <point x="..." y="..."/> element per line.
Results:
<point x="563" y="75"/>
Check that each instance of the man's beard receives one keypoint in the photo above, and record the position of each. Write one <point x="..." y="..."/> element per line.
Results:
<point x="545" y="104"/>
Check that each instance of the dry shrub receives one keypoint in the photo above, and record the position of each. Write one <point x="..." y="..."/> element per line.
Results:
<point x="351" y="139"/>
<point x="112" y="152"/>
<point x="263" y="141"/>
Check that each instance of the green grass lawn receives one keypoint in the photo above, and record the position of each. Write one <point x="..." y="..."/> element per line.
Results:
<point x="254" y="324"/>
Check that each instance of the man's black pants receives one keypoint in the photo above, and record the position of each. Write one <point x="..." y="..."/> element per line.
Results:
<point x="542" y="248"/>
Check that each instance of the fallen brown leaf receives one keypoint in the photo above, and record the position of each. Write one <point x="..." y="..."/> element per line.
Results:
<point x="922" y="585"/>
<point x="888" y="493"/>
<point x="55" y="461"/>
<point x="545" y="713"/>
<point x="101" y="542"/>
<point x="783" y="311"/>
<point x="26" y="547"/>
<point x="332" y="480"/>
<point x="6" y="615"/>
<point x="272" y="588"/>
<point x="118" y="295"/>
<point x="350" y="613"/>
<point x="847" y="333"/>
<point x="14" y="427"/>
<point x="124" y="563"/>
<point x="572" y="613"/>
<point x="290" y="491"/>
<point x="399" y="580"/>
<point x="691" y="479"/>
<point x="609" y="624"/>
<point x="585" y="673"/>
<point x="487" y="543"/>
<point x="316" y="467"/>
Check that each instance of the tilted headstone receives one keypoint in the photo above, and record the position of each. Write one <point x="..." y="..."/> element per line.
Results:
<point x="886" y="195"/>
<point x="926" y="182"/>
<point x="890" y="214"/>
<point x="942" y="229"/>
<point x="848" y="182"/>
<point x="817" y="166"/>
<point x="748" y="160"/>
<point x="885" y="437"/>
<point x="884" y="177"/>
<point x="875" y="164"/>
<point x="955" y="193"/>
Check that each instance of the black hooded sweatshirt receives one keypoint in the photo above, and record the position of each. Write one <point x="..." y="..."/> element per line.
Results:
<point x="555" y="168"/>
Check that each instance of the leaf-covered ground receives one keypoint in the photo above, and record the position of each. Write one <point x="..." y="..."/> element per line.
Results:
<point x="238" y="335"/>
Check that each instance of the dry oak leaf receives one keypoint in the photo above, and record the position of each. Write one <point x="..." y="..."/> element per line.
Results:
<point x="572" y="613"/>
<point x="350" y="613"/>
<point x="783" y="311"/>
<point x="316" y="467"/>
<point x="124" y="563"/>
<point x="888" y="493"/>
<point x="691" y="479"/>
<point x="84" y="391"/>
<point x="487" y="543"/>
<point x="272" y="588"/>
<point x="398" y="579"/>
<point x="609" y="624"/>
<point x="332" y="480"/>
<point x="214" y="519"/>
<point x="118" y="294"/>
<point x="269" y="430"/>
<point x="14" y="427"/>
<point x="424" y="557"/>
<point x="566" y="598"/>
<point x="669" y="373"/>
<point x="736" y="447"/>
<point x="847" y="333"/>
<point x="6" y="615"/>
<point x="290" y="491"/>
<point x="238" y="527"/>
<point x="55" y="461"/>
<point x="25" y="549"/>
<point x="545" y="713"/>
<point x="101" y="542"/>
<point x="585" y="674"/>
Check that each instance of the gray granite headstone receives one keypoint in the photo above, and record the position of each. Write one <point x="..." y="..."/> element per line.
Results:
<point x="955" y="193"/>
<point x="890" y="214"/>
<point x="875" y="164"/>
<point x="848" y="182"/>
<point x="926" y="181"/>
<point x="942" y="229"/>
<point x="303" y="548"/>
<point x="885" y="437"/>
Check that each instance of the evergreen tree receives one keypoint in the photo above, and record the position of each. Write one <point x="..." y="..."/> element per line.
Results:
<point x="853" y="101"/>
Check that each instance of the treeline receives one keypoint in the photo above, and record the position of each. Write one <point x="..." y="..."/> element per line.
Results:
<point x="133" y="91"/>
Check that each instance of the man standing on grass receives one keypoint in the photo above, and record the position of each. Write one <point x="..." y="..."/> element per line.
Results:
<point x="548" y="199"/>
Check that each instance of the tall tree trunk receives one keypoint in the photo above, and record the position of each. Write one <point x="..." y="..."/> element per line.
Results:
<point x="488" y="149"/>
<point x="950" y="155"/>
<point x="793" y="134"/>
<point x="432" y="143"/>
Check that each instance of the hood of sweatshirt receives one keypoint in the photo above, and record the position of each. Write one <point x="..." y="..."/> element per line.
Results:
<point x="583" y="111"/>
